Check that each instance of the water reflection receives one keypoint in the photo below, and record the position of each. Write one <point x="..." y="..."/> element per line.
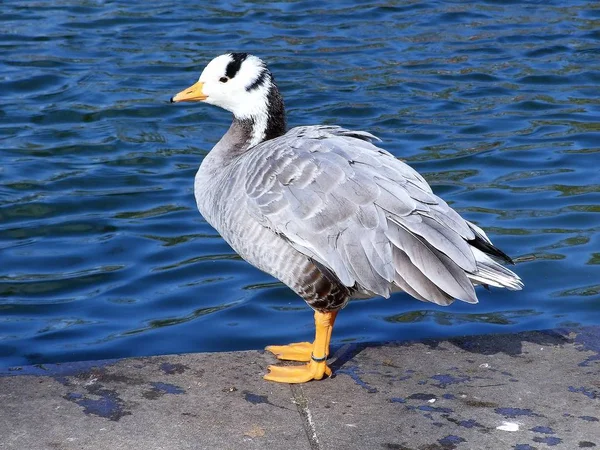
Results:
<point x="449" y="319"/>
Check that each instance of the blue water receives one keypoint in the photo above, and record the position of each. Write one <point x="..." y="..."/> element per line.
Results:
<point x="103" y="253"/>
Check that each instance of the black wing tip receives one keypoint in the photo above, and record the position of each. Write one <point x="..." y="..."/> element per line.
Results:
<point x="490" y="249"/>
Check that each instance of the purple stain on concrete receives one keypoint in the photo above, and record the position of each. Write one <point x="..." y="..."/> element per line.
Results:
<point x="589" y="418"/>
<point x="544" y="430"/>
<point x="353" y="372"/>
<point x="447" y="379"/>
<point x="588" y="340"/>
<point x="255" y="399"/>
<point x="451" y="441"/>
<point x="56" y="370"/>
<point x="523" y="447"/>
<point x="63" y="380"/>
<point x="422" y="396"/>
<point x="515" y="412"/>
<point x="471" y="423"/>
<point x="549" y="440"/>
<point x="108" y="405"/>
<point x="434" y="409"/>
<point x="449" y="397"/>
<point x="73" y="396"/>
<point x="397" y="400"/>
<point x="167" y="388"/>
<point x="585" y="391"/>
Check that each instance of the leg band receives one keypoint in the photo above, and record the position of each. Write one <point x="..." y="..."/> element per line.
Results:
<point x="324" y="358"/>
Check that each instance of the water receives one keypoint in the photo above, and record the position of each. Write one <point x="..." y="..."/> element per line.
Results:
<point x="103" y="253"/>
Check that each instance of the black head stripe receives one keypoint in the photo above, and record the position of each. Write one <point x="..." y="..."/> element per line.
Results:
<point x="234" y="66"/>
<point x="263" y="76"/>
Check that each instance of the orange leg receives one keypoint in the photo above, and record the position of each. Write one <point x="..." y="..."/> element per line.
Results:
<point x="316" y="354"/>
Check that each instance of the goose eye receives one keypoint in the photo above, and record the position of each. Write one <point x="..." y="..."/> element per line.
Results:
<point x="223" y="79"/>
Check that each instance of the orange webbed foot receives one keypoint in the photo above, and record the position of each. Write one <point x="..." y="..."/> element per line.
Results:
<point x="315" y="354"/>
<point x="298" y="374"/>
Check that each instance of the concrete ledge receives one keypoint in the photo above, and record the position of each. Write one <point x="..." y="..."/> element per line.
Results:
<point x="521" y="391"/>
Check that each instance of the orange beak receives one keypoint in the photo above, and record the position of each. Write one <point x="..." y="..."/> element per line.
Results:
<point x="192" y="94"/>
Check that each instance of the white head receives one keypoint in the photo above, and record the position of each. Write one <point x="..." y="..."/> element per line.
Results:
<point x="242" y="84"/>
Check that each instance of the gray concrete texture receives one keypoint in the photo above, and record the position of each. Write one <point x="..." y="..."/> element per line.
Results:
<point x="533" y="390"/>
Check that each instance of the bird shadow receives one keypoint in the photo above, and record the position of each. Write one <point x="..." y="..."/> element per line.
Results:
<point x="509" y="344"/>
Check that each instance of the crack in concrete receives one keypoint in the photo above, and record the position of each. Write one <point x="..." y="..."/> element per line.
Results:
<point x="307" y="420"/>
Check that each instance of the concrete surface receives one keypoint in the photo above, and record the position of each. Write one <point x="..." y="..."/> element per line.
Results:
<point x="524" y="391"/>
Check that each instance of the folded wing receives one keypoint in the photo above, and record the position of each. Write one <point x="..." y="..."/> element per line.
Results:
<point x="368" y="217"/>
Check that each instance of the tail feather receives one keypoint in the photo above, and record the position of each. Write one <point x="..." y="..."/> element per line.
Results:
<point x="492" y="273"/>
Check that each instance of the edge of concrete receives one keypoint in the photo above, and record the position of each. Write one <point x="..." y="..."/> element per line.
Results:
<point x="522" y="391"/>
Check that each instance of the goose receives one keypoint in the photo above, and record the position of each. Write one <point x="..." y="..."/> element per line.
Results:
<point x="328" y="212"/>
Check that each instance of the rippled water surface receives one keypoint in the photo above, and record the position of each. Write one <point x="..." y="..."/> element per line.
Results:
<point x="103" y="253"/>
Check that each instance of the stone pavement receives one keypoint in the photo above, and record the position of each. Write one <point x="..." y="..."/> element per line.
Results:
<point x="533" y="390"/>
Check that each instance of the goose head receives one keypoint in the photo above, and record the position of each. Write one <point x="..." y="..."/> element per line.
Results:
<point x="242" y="84"/>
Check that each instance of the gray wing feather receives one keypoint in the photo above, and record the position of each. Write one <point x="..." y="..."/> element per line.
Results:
<point x="441" y="271"/>
<point x="360" y="212"/>
<point x="416" y="283"/>
<point x="444" y="239"/>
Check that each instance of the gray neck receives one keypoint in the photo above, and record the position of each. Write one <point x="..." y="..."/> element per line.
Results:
<point x="237" y="139"/>
<point x="248" y="132"/>
<point x="234" y="143"/>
